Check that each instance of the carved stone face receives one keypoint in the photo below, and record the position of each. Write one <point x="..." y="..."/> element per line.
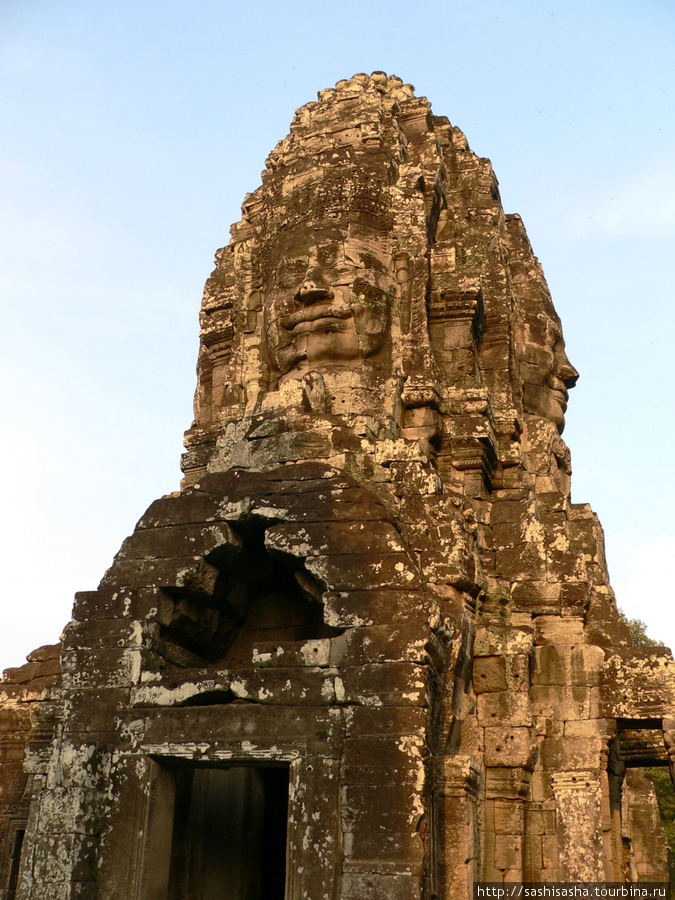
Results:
<point x="327" y="298"/>
<point x="546" y="372"/>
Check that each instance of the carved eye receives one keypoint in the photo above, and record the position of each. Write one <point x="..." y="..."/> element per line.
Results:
<point x="290" y="272"/>
<point x="328" y="256"/>
<point x="373" y="297"/>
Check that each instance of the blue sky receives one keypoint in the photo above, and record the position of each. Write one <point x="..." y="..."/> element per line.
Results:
<point x="129" y="135"/>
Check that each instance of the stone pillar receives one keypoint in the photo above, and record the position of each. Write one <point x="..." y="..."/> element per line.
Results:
<point x="578" y="798"/>
<point x="459" y="827"/>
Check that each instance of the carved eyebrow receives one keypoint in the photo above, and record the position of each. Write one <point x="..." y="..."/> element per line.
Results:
<point x="293" y="262"/>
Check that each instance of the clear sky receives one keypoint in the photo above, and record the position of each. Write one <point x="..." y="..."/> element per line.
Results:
<point x="130" y="131"/>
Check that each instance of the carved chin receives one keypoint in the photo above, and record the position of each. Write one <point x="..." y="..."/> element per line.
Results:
<point x="324" y="348"/>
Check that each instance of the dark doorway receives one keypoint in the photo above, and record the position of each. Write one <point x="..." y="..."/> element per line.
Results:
<point x="229" y="834"/>
<point x="15" y="863"/>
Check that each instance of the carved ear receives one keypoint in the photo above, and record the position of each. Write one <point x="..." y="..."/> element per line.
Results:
<point x="404" y="269"/>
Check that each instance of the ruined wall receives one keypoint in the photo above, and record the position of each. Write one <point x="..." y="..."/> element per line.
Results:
<point x="371" y="624"/>
<point x="28" y="715"/>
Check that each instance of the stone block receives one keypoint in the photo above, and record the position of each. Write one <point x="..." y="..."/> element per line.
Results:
<point x="334" y="539"/>
<point x="505" y="708"/>
<point x="565" y="702"/>
<point x="388" y="684"/>
<point x="377" y="887"/>
<point x="568" y="665"/>
<point x="380" y="644"/>
<point x="511" y="563"/>
<point x="489" y="674"/>
<point x="110" y="603"/>
<point x="374" y="809"/>
<point x="508" y="534"/>
<point x="349" y="609"/>
<point x="351" y="572"/>
<point x="90" y="668"/>
<point x="362" y="721"/>
<point x="268" y="654"/>
<point x="502" y="640"/>
<point x="593" y="728"/>
<point x="558" y="630"/>
<point x="14" y="720"/>
<point x="536" y="597"/>
<point x="21" y="674"/>
<point x="107" y="634"/>
<point x="69" y="811"/>
<point x="190" y="507"/>
<point x="508" y="852"/>
<point x="509" y="510"/>
<point x="292" y="729"/>
<point x="637" y="683"/>
<point x="509" y="816"/>
<point x="518" y="672"/>
<point x="506" y="782"/>
<point x="45" y="653"/>
<point x="506" y="746"/>
<point x="177" y="541"/>
<point x="387" y="851"/>
<point x="572" y="753"/>
<point x="575" y="597"/>
<point x="549" y="849"/>
<point x="367" y="759"/>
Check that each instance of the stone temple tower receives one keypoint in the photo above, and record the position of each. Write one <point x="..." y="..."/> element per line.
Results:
<point x="369" y="651"/>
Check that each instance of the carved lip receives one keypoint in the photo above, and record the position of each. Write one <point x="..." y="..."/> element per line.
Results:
<point x="314" y="316"/>
<point x="561" y="395"/>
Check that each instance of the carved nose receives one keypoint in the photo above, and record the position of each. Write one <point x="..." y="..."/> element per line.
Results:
<point x="568" y="374"/>
<point x="314" y="288"/>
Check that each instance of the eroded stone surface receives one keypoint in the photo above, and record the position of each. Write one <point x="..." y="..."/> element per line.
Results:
<point x="373" y="582"/>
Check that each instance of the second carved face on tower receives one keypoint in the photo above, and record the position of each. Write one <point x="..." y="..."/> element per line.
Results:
<point x="327" y="299"/>
<point x="547" y="374"/>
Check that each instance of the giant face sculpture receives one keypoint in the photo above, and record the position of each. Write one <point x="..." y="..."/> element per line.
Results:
<point x="546" y="372"/>
<point x="328" y="297"/>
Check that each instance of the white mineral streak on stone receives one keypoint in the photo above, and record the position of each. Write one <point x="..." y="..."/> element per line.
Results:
<point x="297" y="544"/>
<point x="388" y="450"/>
<point x="133" y="661"/>
<point x="560" y="542"/>
<point x="183" y="575"/>
<point x="272" y="512"/>
<point x="162" y="696"/>
<point x="339" y="688"/>
<point x="415" y="650"/>
<point x="371" y="701"/>
<point x="534" y="531"/>
<point x="136" y="636"/>
<point x="234" y="510"/>
<point x="239" y="688"/>
<point x="74" y="766"/>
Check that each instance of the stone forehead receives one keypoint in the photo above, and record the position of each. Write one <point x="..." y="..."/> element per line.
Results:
<point x="339" y="161"/>
<point x="358" y="99"/>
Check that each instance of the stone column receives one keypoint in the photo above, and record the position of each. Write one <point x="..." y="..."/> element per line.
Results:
<point x="459" y="827"/>
<point x="578" y="798"/>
